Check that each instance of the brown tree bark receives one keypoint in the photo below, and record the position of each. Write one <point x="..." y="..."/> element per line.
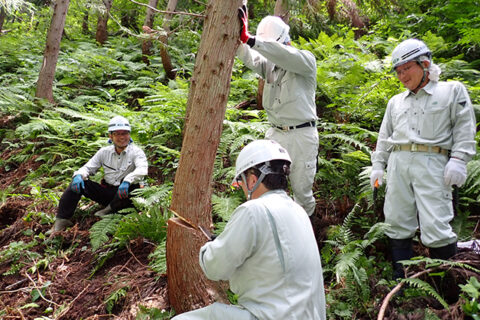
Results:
<point x="149" y="17"/>
<point x="348" y="11"/>
<point x="3" y="14"/>
<point x="187" y="286"/>
<point x="52" y="48"/>
<point x="85" y="22"/>
<point x="102" y="32"/>
<point x="166" y="61"/>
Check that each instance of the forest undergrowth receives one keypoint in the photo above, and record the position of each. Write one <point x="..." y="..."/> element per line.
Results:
<point x="115" y="268"/>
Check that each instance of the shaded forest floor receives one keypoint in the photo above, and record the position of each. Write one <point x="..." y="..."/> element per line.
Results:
<point x="70" y="284"/>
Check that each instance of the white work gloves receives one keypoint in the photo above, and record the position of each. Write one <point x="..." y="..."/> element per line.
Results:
<point x="455" y="172"/>
<point x="376" y="175"/>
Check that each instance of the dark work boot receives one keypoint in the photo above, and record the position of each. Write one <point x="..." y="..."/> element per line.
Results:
<point x="401" y="250"/>
<point x="444" y="283"/>
<point x="444" y="253"/>
<point x="59" y="225"/>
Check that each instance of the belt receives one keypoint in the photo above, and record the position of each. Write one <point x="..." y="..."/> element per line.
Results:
<point x="414" y="147"/>
<point x="303" y="125"/>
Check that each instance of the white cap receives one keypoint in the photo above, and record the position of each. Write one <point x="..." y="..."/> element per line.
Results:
<point x="257" y="152"/>
<point x="272" y="28"/>
<point x="118" y="123"/>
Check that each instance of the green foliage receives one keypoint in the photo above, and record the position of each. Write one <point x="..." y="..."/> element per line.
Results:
<point x="470" y="295"/>
<point x="145" y="313"/>
<point x="158" y="258"/>
<point x="18" y="254"/>
<point x="115" y="297"/>
<point x="100" y="230"/>
<point x="351" y="265"/>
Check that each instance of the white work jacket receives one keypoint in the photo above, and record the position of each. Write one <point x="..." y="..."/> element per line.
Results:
<point x="440" y="114"/>
<point x="290" y="81"/>
<point x="269" y="254"/>
<point x="130" y="165"/>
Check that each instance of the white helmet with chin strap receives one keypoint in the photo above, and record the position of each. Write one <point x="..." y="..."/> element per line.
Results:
<point x="255" y="154"/>
<point x="409" y="50"/>
<point x="118" y="123"/>
<point x="412" y="50"/>
<point x="272" y="28"/>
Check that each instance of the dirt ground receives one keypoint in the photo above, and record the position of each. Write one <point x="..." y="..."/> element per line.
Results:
<point x="72" y="288"/>
<point x="66" y="283"/>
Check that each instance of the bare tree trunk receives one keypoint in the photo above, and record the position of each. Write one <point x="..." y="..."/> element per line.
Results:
<point x="102" y="33"/>
<point x="52" y="48"/>
<point x="349" y="12"/>
<point x="166" y="61"/>
<point x="85" y="22"/>
<point x="3" y="14"/>
<point x="210" y="85"/>
<point x="149" y="17"/>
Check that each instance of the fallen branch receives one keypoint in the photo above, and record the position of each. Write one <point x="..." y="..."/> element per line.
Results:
<point x="169" y="12"/>
<point x="397" y="288"/>
<point x="64" y="311"/>
<point x="39" y="290"/>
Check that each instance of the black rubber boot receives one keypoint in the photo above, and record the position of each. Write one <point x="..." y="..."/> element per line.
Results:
<point x="401" y="250"/>
<point x="444" y="253"/>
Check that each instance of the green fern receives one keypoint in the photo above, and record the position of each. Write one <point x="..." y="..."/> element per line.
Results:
<point x="223" y="206"/>
<point x="158" y="259"/>
<point x="426" y="289"/>
<point x="115" y="297"/>
<point x="101" y="229"/>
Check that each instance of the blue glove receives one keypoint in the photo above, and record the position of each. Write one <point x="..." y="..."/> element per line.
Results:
<point x="123" y="190"/>
<point x="77" y="184"/>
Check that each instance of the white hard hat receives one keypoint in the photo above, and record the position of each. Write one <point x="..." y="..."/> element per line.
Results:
<point x="408" y="50"/>
<point x="272" y="28"/>
<point x="118" y="123"/>
<point x="257" y="152"/>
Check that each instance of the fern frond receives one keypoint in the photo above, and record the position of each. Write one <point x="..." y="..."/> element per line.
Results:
<point x="100" y="230"/>
<point x="426" y="288"/>
<point x="349" y="140"/>
<point x="224" y="206"/>
<point x="158" y="258"/>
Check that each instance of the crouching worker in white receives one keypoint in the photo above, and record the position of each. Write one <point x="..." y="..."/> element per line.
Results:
<point x="268" y="251"/>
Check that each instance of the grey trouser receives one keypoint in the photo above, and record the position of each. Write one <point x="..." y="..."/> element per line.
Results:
<point x="302" y="146"/>
<point x="415" y="184"/>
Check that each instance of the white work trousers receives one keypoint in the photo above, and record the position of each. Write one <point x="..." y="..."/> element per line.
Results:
<point x="217" y="311"/>
<point x="415" y="184"/>
<point x="302" y="146"/>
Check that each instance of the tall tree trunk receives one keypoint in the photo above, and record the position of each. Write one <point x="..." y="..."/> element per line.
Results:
<point x="102" y="33"/>
<point x="187" y="286"/>
<point x="166" y="61"/>
<point x="52" y="48"/>
<point x="348" y="11"/>
<point x="85" y="21"/>
<point x="3" y="14"/>
<point x="281" y="10"/>
<point x="149" y="17"/>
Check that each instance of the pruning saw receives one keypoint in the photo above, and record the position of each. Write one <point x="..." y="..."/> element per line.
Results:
<point x="191" y="224"/>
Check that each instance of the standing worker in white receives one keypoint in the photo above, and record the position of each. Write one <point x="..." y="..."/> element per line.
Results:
<point x="288" y="98"/>
<point x="426" y="138"/>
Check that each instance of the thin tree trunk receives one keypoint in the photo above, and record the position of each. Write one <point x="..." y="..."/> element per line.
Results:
<point x="52" y="48"/>
<point x="2" y="18"/>
<point x="85" y="22"/>
<point x="210" y="85"/>
<point x="102" y="33"/>
<point x="149" y="17"/>
<point x="166" y="61"/>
